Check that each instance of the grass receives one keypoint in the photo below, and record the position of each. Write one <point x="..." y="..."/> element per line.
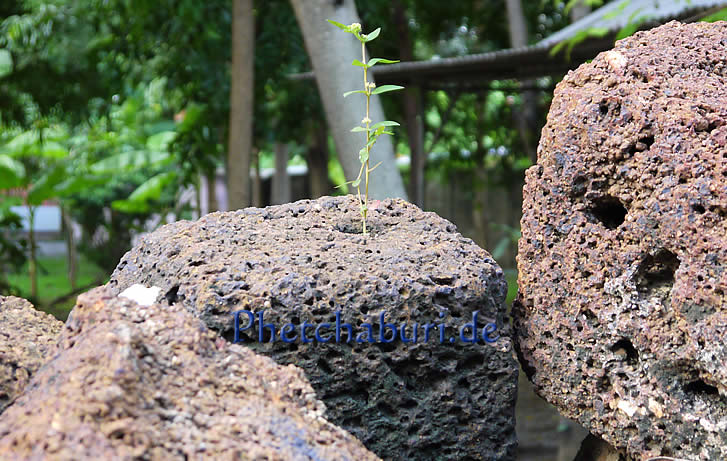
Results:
<point x="53" y="283"/>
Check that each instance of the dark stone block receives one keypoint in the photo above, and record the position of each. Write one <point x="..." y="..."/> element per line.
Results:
<point x="307" y="260"/>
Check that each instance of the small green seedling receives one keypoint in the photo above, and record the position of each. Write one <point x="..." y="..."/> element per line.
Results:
<point x="372" y="131"/>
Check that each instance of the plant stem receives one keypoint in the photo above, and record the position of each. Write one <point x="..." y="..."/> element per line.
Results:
<point x="368" y="149"/>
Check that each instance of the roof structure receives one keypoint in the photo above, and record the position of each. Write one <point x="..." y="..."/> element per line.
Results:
<point x="476" y="70"/>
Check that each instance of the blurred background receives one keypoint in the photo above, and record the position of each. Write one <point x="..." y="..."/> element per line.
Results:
<point x="118" y="116"/>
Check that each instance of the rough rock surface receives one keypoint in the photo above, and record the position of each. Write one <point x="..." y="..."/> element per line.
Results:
<point x="27" y="340"/>
<point x="133" y="382"/>
<point x="621" y="317"/>
<point x="307" y="260"/>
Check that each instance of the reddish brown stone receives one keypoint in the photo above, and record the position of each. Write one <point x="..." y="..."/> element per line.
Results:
<point x="307" y="260"/>
<point x="131" y="382"/>
<point x="622" y="315"/>
<point x="27" y="341"/>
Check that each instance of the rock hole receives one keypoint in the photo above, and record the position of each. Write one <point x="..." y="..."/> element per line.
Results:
<point x="612" y="107"/>
<point x="603" y="108"/>
<point x="698" y="208"/>
<point x="350" y="228"/>
<point x="385" y="408"/>
<point x="580" y="183"/>
<point x="657" y="272"/>
<point x="699" y="387"/>
<point x="408" y="404"/>
<point x="470" y="363"/>
<point x="171" y="295"/>
<point x="643" y="144"/>
<point x="323" y="366"/>
<point x="638" y="75"/>
<point x="413" y="429"/>
<point x="385" y="347"/>
<point x="719" y="211"/>
<point x="443" y="279"/>
<point x="609" y="211"/>
<point x="351" y="422"/>
<point x="624" y="348"/>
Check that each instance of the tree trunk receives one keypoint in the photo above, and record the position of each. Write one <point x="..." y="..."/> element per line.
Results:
<point x="331" y="52"/>
<point x="281" y="181"/>
<point x="257" y="182"/>
<point x="412" y="111"/>
<point x="318" y="162"/>
<point x="516" y="22"/>
<point x="241" y="105"/>
<point x="527" y="118"/>
<point x="212" y="202"/>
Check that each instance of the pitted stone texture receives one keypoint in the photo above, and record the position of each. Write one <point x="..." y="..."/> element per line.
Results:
<point x="27" y="340"/>
<point x="621" y="317"/>
<point x="133" y="382"/>
<point x="303" y="262"/>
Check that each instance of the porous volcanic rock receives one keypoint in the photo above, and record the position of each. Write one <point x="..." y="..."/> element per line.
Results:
<point x="306" y="261"/>
<point x="27" y="340"/>
<point x="621" y="317"/>
<point x="133" y="382"/>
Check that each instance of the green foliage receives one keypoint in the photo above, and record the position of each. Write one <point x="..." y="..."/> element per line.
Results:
<point x="580" y="36"/>
<point x="54" y="285"/>
<point x="372" y="131"/>
<point x="12" y="250"/>
<point x="6" y="63"/>
<point x="720" y="15"/>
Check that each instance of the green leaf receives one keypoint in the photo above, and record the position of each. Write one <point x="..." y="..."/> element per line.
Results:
<point x="343" y="27"/>
<point x="22" y="143"/>
<point x="373" y="61"/>
<point x="358" y="63"/>
<point x="78" y="184"/>
<point x="523" y="163"/>
<point x="633" y="25"/>
<point x="356" y="182"/>
<point x="160" y="141"/>
<point x="45" y="188"/>
<point x="191" y="116"/>
<point x="158" y="127"/>
<point x="129" y="161"/>
<point x="363" y="155"/>
<point x="348" y="93"/>
<point x="384" y="123"/>
<point x="599" y="32"/>
<point x="12" y="172"/>
<point x="6" y="63"/>
<point x="151" y="189"/>
<point x="358" y="129"/>
<point x="372" y="35"/>
<point x="53" y="150"/>
<point x="627" y="30"/>
<point x="615" y="13"/>
<point x="386" y="89"/>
